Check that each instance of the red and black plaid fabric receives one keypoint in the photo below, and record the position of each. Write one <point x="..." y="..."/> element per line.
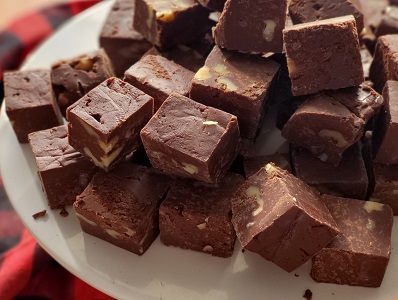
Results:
<point x="26" y="270"/>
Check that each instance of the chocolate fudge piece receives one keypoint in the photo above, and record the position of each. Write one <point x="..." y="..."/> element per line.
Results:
<point x="123" y="44"/>
<point x="169" y="23"/>
<point x="385" y="136"/>
<point x="281" y="218"/>
<point x="385" y="61"/>
<point x="128" y="218"/>
<point x="349" y="179"/>
<point x="75" y="77"/>
<point x="105" y="124"/>
<point x="253" y="164"/>
<point x="189" y="139"/>
<point x="372" y="11"/>
<point x="30" y="103"/>
<point x="238" y="83"/>
<point x="359" y="255"/>
<point x="389" y="22"/>
<point x="159" y="77"/>
<point x="216" y="5"/>
<point x="323" y="55"/>
<point x="197" y="216"/>
<point x="303" y="11"/>
<point x="63" y="171"/>
<point x="385" y="185"/>
<point x="366" y="58"/>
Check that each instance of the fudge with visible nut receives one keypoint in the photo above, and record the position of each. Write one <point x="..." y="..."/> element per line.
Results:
<point x="189" y="139"/>
<point x="237" y="83"/>
<point x="129" y="217"/>
<point x="323" y="55"/>
<point x="281" y="218"/>
<point x="63" y="171"/>
<point x="30" y="103"/>
<point x="197" y="216"/>
<point x="105" y="124"/>
<point x="253" y="164"/>
<point x="73" y="78"/>
<point x="359" y="255"/>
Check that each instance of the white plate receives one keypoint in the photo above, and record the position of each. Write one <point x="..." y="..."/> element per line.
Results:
<point x="163" y="272"/>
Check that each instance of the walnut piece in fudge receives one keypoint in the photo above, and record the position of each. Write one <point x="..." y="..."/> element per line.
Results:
<point x="253" y="164"/>
<point x="169" y="23"/>
<point x="159" y="77"/>
<point x="189" y="139"/>
<point x="237" y="83"/>
<point x="197" y="216"/>
<point x="251" y="26"/>
<point x="30" y="103"/>
<point x="105" y="124"/>
<point x="63" y="171"/>
<point x="128" y="218"/>
<point x="281" y="218"/>
<point x="123" y="44"/>
<point x="73" y="78"/>
<point x="359" y="255"/>
<point x="323" y="55"/>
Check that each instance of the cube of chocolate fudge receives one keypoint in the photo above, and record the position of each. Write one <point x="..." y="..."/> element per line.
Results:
<point x="253" y="26"/>
<point x="105" y="124"/>
<point x="189" y="139"/>
<point x="323" y="55"/>
<point x="349" y="179"/>
<point x="159" y="77"/>
<point x="169" y="23"/>
<point x="281" y="218"/>
<point x="197" y="216"/>
<point x="385" y="185"/>
<point x="123" y="44"/>
<point x="303" y="11"/>
<point x="359" y="255"/>
<point x="30" y="103"/>
<point x="237" y="83"/>
<point x="253" y="164"/>
<point x="63" y="171"/>
<point x="128" y="218"/>
<point x="389" y="22"/>
<point x="73" y="78"/>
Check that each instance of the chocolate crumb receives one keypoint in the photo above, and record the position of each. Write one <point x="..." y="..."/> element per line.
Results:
<point x="243" y="250"/>
<point x="296" y="275"/>
<point x="64" y="212"/>
<point x="39" y="214"/>
<point x="308" y="294"/>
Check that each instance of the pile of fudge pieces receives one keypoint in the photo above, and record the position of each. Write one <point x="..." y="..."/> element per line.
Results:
<point x="169" y="149"/>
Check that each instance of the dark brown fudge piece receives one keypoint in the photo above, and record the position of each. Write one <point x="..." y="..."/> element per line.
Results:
<point x="169" y="23"/>
<point x="349" y="179"/>
<point x="216" y="5"/>
<point x="129" y="217"/>
<point x="385" y="136"/>
<point x="252" y="26"/>
<point x="303" y="11"/>
<point x="386" y="185"/>
<point x="359" y="255"/>
<point x="159" y="77"/>
<point x="105" y="124"/>
<point x="123" y="44"/>
<point x="30" y="103"/>
<point x="323" y="55"/>
<point x="240" y="84"/>
<point x="75" y="77"/>
<point x="189" y="139"/>
<point x="253" y="164"/>
<point x="281" y="218"/>
<point x="385" y="61"/>
<point x="63" y="171"/>
<point x="389" y="22"/>
<point x="372" y="11"/>
<point x="197" y="216"/>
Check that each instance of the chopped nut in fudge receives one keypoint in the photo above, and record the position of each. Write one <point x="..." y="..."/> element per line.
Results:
<point x="253" y="164"/>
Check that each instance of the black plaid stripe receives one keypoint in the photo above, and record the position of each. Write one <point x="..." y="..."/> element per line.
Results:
<point x="11" y="50"/>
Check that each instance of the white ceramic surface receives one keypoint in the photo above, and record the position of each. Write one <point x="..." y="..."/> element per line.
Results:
<point x="163" y="272"/>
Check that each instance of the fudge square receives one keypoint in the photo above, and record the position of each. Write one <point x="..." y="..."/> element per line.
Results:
<point x="281" y="218"/>
<point x="323" y="55"/>
<point x="385" y="185"/>
<point x="75" y="77"/>
<point x="123" y="44"/>
<point x="237" y="83"/>
<point x="253" y="26"/>
<point x="129" y="217"/>
<point x="359" y="255"/>
<point x="189" y="139"/>
<point x="168" y="23"/>
<point x="197" y="216"/>
<point x="159" y="77"/>
<point x="30" y="103"/>
<point x="105" y="124"/>
<point x="63" y="171"/>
